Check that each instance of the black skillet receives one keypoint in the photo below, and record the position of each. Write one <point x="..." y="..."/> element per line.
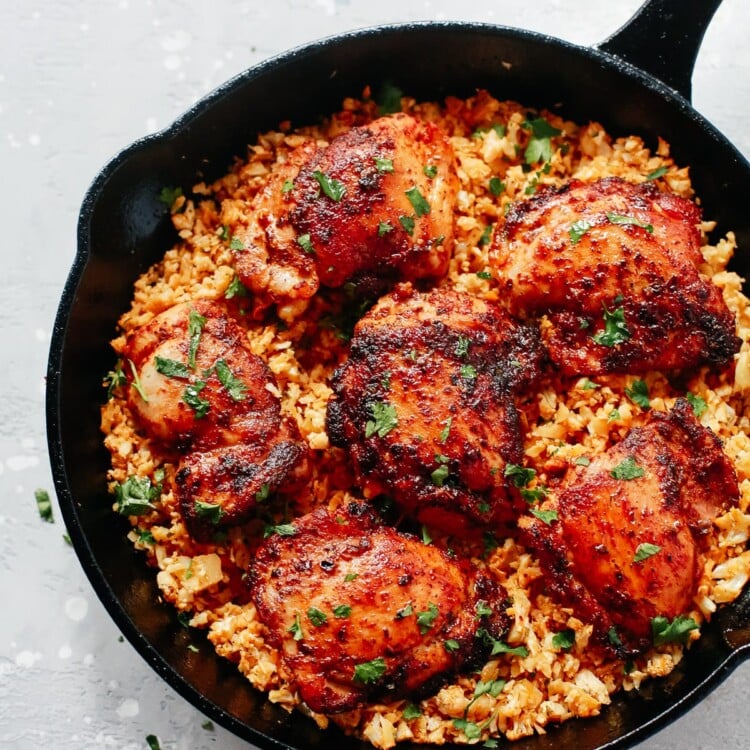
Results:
<point x="123" y="228"/>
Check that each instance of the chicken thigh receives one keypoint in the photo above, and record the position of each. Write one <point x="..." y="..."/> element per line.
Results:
<point x="358" y="609"/>
<point x="196" y="388"/>
<point x="615" y="267"/>
<point x="621" y="542"/>
<point x="425" y="405"/>
<point x="373" y="207"/>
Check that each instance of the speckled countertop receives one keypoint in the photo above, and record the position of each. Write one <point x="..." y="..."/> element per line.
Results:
<point x="80" y="79"/>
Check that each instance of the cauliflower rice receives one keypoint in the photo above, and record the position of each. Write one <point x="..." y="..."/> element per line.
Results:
<point x="565" y="422"/>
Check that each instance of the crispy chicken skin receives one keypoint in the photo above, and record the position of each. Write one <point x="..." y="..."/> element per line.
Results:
<point x="373" y="207"/>
<point x="425" y="405"/>
<point x="359" y="609"/>
<point x="662" y="485"/>
<point x="209" y="397"/>
<point x="613" y="250"/>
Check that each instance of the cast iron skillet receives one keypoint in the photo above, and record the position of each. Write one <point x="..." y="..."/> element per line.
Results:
<point x="123" y="228"/>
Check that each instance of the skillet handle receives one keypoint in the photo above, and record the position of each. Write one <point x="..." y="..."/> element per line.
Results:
<point x="663" y="39"/>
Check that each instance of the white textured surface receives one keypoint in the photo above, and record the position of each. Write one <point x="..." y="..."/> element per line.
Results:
<point x="80" y="79"/>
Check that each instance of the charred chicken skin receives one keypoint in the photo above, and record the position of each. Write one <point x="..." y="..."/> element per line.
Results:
<point x="373" y="207"/>
<point x="202" y="393"/>
<point x="361" y="610"/>
<point x="624" y="547"/>
<point x="615" y="267"/>
<point x="425" y="405"/>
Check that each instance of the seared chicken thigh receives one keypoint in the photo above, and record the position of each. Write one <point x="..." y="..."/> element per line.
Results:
<point x="624" y="545"/>
<point x="373" y="207"/>
<point x="197" y="389"/>
<point x="358" y="609"/>
<point x="425" y="405"/>
<point x="615" y="267"/>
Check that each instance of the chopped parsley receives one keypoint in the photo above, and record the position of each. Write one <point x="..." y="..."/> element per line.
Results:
<point x="486" y="275"/>
<point x="406" y="611"/>
<point x="534" y="495"/>
<point x="539" y="148"/>
<point x="426" y="618"/>
<point x="482" y="609"/>
<point x="615" y="330"/>
<point x="446" y="430"/>
<point x="411" y="711"/>
<point x="389" y="99"/>
<point x="628" y="221"/>
<point x="288" y="186"/>
<point x="638" y="394"/>
<point x="613" y="637"/>
<point x="451" y="645"/>
<point x="440" y="475"/>
<point x="462" y="346"/>
<point x="497" y="186"/>
<point x="471" y="730"/>
<point x="235" y="289"/>
<point x="383" y="165"/>
<point x="582" y="461"/>
<point x="115" y="378"/>
<point x="342" y="611"/>
<point x="317" y="617"/>
<point x="282" y="529"/>
<point x="564" y="640"/>
<point x="627" y="469"/>
<point x="168" y="195"/>
<point x="426" y="538"/>
<point x="658" y="172"/>
<point x="645" y="550"/>
<point x="305" y="242"/>
<point x="519" y="475"/>
<point x="330" y="186"/>
<point x="545" y="516"/>
<point x="469" y="372"/>
<point x="419" y="204"/>
<point x="588" y="385"/>
<point x="498" y="647"/>
<point x="136" y="382"/>
<point x="614" y="416"/>
<point x="351" y="577"/>
<point x="192" y="398"/>
<point x="678" y="631"/>
<point x="577" y="230"/>
<point x="263" y="493"/>
<point x="486" y="236"/>
<point x="236" y="244"/>
<point x="209" y="511"/>
<point x="44" y="505"/>
<point x="236" y="389"/>
<point x="384" y="419"/>
<point x="384" y="227"/>
<point x="430" y="171"/>
<point x="135" y="496"/>
<point x="171" y="368"/>
<point x="370" y="671"/>
<point x="153" y="742"/>
<point x="196" y="324"/>
<point x="699" y="404"/>
<point x="296" y="629"/>
<point x="407" y="222"/>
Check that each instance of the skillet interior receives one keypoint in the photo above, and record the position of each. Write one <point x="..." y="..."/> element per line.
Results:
<point x="124" y="228"/>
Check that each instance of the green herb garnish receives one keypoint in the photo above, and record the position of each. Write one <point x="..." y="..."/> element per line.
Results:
<point x="384" y="419"/>
<point x="577" y="230"/>
<point x="678" y="631"/>
<point x="370" y="671"/>
<point x="317" y="617"/>
<point x="192" y="398"/>
<point x="209" y="511"/>
<point x="426" y="618"/>
<point x="564" y="640"/>
<point x="330" y="186"/>
<point x="638" y="394"/>
<point x="627" y="469"/>
<point x="623" y="220"/>
<point x="615" y="331"/>
<point x="44" y="505"/>
<point x="645" y="550"/>
<point x="135" y="496"/>
<point x="236" y="389"/>
<point x="172" y="368"/>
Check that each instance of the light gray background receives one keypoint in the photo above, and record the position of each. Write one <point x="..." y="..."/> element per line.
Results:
<point x="79" y="81"/>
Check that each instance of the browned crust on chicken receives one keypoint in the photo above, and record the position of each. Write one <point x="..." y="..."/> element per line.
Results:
<point x="373" y="207"/>
<point x="360" y="610"/>
<point x="587" y="251"/>
<point x="442" y="368"/>
<point x="210" y="399"/>
<point x="661" y="487"/>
